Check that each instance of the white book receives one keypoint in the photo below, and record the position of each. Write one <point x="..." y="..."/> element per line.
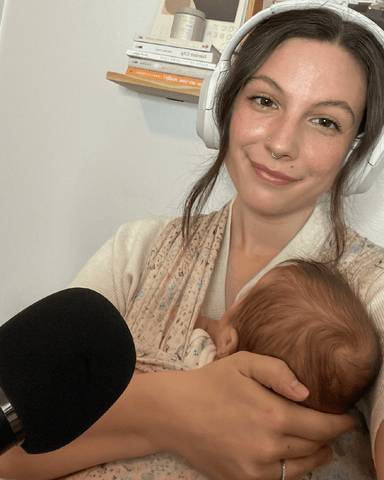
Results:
<point x="178" y="42"/>
<point x="212" y="56"/>
<point x="174" y="68"/>
<point x="169" y="59"/>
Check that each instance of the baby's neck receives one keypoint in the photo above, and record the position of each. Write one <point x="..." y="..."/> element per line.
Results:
<point x="210" y="326"/>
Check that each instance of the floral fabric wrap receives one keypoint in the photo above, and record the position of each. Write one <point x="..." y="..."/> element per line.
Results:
<point x="162" y="315"/>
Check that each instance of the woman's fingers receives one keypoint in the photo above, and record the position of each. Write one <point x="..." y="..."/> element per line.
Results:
<point x="300" y="421"/>
<point x="310" y="424"/>
<point x="297" y="467"/>
<point x="294" y="447"/>
<point x="272" y="373"/>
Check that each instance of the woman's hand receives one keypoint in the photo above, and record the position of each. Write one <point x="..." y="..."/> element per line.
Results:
<point x="231" y="427"/>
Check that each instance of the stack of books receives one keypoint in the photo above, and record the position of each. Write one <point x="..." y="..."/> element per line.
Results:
<point x="175" y="61"/>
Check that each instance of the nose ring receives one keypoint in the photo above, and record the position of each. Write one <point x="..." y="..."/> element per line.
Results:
<point x="273" y="155"/>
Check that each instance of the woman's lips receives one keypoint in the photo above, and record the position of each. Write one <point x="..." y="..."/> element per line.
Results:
<point x="271" y="176"/>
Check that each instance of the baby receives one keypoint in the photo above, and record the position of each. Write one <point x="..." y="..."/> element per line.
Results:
<point x="304" y="313"/>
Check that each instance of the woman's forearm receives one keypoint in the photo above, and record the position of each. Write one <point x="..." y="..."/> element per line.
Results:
<point x="127" y="430"/>
<point x="219" y="418"/>
<point x="379" y="453"/>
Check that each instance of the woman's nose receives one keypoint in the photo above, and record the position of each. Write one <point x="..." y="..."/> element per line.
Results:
<point x="283" y="138"/>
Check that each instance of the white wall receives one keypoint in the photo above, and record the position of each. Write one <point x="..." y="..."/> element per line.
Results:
<point x="81" y="155"/>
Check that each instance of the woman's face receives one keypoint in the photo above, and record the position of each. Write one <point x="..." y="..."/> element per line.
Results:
<point x="304" y="105"/>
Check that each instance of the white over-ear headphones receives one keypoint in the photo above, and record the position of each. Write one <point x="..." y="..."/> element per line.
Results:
<point x="206" y="126"/>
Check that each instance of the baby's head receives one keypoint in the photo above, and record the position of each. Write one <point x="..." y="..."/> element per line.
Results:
<point x="306" y="314"/>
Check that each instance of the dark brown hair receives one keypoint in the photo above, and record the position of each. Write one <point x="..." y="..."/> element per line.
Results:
<point x="305" y="313"/>
<point x="316" y="24"/>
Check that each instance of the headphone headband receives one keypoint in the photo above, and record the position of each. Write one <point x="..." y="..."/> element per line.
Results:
<point x="206" y="125"/>
<point x="341" y="9"/>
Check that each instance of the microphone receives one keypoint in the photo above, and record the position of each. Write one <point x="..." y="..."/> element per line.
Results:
<point x="64" y="361"/>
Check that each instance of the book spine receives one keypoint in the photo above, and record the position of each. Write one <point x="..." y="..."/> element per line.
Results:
<point x="173" y="68"/>
<point x="167" y="58"/>
<point x="164" y="77"/>
<point x="177" y="42"/>
<point x="174" y="51"/>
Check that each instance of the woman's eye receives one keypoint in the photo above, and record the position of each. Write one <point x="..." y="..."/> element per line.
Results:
<point x="264" y="102"/>
<point x="327" y="123"/>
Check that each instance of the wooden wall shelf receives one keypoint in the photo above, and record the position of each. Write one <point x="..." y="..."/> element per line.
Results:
<point x="181" y="93"/>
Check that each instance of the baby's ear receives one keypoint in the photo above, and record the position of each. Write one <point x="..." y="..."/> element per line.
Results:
<point x="227" y="342"/>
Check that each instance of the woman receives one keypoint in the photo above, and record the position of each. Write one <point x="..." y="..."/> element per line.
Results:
<point x="301" y="89"/>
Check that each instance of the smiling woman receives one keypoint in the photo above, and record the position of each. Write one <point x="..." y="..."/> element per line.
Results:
<point x="326" y="27"/>
<point x="295" y="120"/>
<point x="304" y="87"/>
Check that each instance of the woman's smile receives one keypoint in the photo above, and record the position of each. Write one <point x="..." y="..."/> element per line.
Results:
<point x="272" y="176"/>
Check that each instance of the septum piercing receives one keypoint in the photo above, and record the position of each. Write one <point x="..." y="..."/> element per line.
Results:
<point x="273" y="155"/>
<point x="284" y="470"/>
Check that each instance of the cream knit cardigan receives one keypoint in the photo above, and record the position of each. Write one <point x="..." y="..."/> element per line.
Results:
<point x="115" y="270"/>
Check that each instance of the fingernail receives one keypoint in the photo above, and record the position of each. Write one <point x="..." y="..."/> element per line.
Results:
<point x="299" y="388"/>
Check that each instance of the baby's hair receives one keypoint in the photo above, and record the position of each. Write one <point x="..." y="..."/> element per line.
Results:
<point x="306" y="314"/>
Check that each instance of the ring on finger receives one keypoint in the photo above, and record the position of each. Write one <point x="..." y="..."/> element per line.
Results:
<point x="284" y="470"/>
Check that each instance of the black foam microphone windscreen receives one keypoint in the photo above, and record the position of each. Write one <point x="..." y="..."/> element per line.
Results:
<point x="64" y="361"/>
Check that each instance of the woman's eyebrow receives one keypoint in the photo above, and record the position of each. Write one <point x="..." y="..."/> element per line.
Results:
<point x="337" y="103"/>
<point x="269" y="80"/>
<point x="327" y="103"/>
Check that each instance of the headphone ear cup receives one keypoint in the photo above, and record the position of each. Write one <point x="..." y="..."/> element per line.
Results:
<point x="368" y="170"/>
<point x="205" y="123"/>
<point x="357" y="141"/>
<point x="353" y="147"/>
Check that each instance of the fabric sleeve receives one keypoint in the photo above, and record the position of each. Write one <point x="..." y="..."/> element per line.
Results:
<point x="200" y="351"/>
<point x="373" y="405"/>
<point x="115" y="269"/>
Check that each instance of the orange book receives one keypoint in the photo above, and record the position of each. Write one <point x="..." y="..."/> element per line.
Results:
<point x="165" y="77"/>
